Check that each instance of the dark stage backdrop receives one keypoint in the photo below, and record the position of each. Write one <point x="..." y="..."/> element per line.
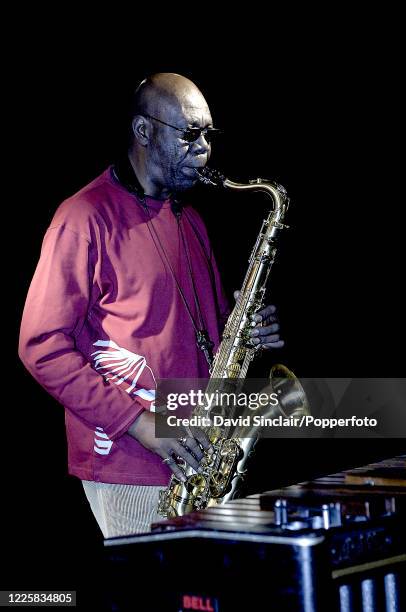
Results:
<point x="310" y="121"/>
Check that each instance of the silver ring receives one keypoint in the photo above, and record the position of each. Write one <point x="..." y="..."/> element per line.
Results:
<point x="168" y="460"/>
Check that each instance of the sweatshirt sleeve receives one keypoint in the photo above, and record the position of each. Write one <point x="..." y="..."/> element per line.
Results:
<point x="55" y="310"/>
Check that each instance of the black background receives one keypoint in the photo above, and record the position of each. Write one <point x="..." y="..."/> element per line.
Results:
<point x="314" y="113"/>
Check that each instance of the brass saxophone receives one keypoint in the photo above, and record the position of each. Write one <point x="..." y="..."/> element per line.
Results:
<point x="224" y="465"/>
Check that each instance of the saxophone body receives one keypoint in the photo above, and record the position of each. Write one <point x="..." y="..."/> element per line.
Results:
<point x="223" y="466"/>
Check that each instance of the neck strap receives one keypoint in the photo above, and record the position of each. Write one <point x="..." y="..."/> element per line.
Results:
<point x="124" y="173"/>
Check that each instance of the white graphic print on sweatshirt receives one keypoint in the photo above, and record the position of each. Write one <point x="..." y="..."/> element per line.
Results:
<point x="102" y="443"/>
<point x="124" y="368"/>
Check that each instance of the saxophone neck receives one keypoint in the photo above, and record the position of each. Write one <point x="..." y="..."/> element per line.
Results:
<point x="272" y="189"/>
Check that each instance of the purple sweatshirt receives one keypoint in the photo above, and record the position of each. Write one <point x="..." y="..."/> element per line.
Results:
<point x="104" y="320"/>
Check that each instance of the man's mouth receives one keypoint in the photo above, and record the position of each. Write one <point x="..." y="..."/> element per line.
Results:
<point x="196" y="162"/>
<point x="193" y="170"/>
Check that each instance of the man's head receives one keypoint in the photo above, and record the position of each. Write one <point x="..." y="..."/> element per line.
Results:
<point x="164" y="159"/>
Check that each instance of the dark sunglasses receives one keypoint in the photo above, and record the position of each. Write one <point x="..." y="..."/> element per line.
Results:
<point x="190" y="134"/>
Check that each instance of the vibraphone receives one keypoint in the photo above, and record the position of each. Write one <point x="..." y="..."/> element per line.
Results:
<point x="335" y="543"/>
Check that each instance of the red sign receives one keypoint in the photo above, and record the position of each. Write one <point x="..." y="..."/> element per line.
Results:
<point x="192" y="602"/>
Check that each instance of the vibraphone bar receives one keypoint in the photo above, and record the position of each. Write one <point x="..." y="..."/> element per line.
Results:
<point x="334" y="543"/>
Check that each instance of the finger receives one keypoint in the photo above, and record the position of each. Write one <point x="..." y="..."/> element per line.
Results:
<point x="236" y="295"/>
<point x="264" y="331"/>
<point x="273" y="345"/>
<point x="202" y="438"/>
<point x="267" y="321"/>
<point x="177" y="470"/>
<point x="264" y="313"/>
<point x="265" y="339"/>
<point x="170" y="461"/>
<point x="192" y="445"/>
<point x="270" y="339"/>
<point x="183" y="452"/>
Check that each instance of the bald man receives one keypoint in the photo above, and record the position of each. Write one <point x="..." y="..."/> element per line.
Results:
<point x="127" y="292"/>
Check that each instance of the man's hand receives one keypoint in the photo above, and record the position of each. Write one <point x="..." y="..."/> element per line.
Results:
<point x="265" y="333"/>
<point x="189" y="450"/>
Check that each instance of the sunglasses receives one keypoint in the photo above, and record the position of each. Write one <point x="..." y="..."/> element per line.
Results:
<point x="190" y="134"/>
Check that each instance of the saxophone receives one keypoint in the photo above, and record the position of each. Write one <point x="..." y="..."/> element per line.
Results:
<point x="223" y="466"/>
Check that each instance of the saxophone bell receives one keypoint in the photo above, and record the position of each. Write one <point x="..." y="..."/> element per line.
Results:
<point x="292" y="397"/>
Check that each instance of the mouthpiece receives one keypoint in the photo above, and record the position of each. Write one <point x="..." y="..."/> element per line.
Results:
<point x="211" y="177"/>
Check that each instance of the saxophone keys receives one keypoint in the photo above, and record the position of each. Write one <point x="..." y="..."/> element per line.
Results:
<point x="239" y="354"/>
<point x="233" y="370"/>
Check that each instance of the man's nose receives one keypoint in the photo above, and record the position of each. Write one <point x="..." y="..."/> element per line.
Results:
<point x="201" y="144"/>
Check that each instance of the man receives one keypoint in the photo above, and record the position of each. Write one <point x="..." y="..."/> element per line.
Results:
<point x="125" y="284"/>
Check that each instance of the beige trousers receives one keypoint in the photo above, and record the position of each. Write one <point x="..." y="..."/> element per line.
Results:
<point x="122" y="509"/>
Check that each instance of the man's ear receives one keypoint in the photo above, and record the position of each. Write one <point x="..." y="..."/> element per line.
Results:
<point x="141" y="130"/>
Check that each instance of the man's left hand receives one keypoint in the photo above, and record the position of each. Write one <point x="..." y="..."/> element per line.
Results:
<point x="266" y="331"/>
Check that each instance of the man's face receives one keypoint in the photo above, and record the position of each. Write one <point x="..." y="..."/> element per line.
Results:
<point x="174" y="160"/>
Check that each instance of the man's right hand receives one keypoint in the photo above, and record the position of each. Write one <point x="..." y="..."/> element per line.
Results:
<point x="143" y="430"/>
